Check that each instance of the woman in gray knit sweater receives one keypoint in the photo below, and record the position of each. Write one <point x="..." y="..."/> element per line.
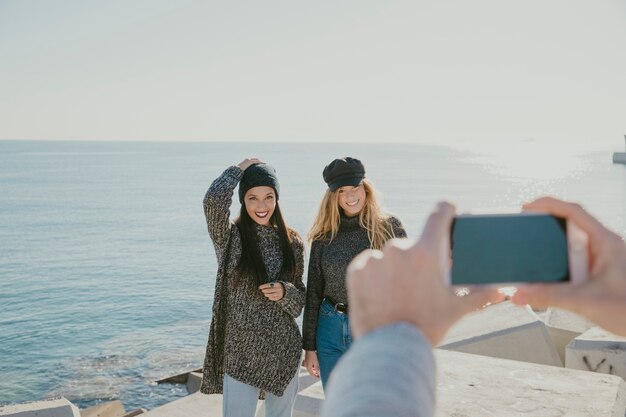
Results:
<point x="348" y="222"/>
<point x="254" y="343"/>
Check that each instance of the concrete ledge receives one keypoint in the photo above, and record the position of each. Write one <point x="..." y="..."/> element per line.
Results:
<point x="480" y="386"/>
<point x="597" y="350"/>
<point x="55" y="407"/>
<point x="503" y="331"/>
<point x="190" y="406"/>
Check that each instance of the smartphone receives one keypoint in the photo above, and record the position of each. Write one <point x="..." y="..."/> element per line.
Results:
<point x="506" y="249"/>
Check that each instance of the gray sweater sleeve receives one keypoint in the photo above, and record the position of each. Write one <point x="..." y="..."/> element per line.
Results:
<point x="217" y="203"/>
<point x="293" y="300"/>
<point x="396" y="226"/>
<point x="388" y="372"/>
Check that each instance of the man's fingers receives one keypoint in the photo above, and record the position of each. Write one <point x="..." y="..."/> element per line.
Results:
<point x="479" y="298"/>
<point x="572" y="211"/>
<point x="541" y="296"/>
<point x="362" y="259"/>
<point x="437" y="229"/>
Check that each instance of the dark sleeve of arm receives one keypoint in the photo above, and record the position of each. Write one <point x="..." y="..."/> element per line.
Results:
<point x="314" y="295"/>
<point x="217" y="206"/>
<point x="388" y="372"/>
<point x="396" y="226"/>
<point x="293" y="300"/>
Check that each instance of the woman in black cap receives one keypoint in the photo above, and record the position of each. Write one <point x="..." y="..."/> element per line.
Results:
<point x="348" y="221"/>
<point x="254" y="345"/>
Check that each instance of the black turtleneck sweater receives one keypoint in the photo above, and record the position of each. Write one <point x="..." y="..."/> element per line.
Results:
<point x="328" y="263"/>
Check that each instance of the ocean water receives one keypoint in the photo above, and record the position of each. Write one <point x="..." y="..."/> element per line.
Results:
<point x="107" y="271"/>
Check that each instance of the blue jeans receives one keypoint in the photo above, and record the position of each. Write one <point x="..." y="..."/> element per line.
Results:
<point x="240" y="400"/>
<point x="333" y="338"/>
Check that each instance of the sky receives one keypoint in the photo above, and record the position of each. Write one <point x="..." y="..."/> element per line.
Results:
<point x="451" y="71"/>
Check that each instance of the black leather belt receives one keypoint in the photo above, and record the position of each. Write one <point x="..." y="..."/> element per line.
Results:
<point x="339" y="307"/>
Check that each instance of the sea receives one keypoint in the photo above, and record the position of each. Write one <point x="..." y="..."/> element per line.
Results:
<point x="107" y="271"/>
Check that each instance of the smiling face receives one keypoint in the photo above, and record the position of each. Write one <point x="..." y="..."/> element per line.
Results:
<point x="260" y="203"/>
<point x="351" y="199"/>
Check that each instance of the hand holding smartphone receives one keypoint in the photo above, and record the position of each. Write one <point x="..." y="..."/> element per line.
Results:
<point x="505" y="249"/>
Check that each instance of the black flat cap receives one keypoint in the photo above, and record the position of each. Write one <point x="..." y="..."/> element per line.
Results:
<point x="342" y="172"/>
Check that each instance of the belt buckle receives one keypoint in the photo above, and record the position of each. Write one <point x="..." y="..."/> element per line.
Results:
<point x="341" y="308"/>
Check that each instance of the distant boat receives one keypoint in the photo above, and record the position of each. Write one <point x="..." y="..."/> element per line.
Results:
<point x="619" y="157"/>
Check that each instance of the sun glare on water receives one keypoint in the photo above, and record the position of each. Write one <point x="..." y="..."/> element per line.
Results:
<point x="531" y="161"/>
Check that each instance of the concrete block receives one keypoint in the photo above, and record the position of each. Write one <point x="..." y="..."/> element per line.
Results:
<point x="177" y="379"/>
<point x="55" y="407"/>
<point x="108" y="409"/>
<point x="503" y="331"/>
<point x="479" y="386"/>
<point x="309" y="401"/>
<point x="563" y="326"/>
<point x="597" y="350"/>
<point x="305" y="380"/>
<point x="194" y="380"/>
<point x="136" y="412"/>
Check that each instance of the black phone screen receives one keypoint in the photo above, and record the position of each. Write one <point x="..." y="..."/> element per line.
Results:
<point x="488" y="249"/>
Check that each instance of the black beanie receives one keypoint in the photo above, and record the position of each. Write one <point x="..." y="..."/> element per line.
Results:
<point x="342" y="172"/>
<point x="258" y="175"/>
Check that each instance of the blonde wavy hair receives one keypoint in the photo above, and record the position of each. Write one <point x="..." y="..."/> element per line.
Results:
<point x="372" y="218"/>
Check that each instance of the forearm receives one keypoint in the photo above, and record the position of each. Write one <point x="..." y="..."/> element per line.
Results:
<point x="311" y="313"/>
<point x="314" y="295"/>
<point x="293" y="300"/>
<point x="388" y="372"/>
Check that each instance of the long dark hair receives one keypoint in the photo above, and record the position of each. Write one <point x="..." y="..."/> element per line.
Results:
<point x="251" y="263"/>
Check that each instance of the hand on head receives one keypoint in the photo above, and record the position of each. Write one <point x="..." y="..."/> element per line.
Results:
<point x="248" y="162"/>
<point x="406" y="281"/>
<point x="603" y="298"/>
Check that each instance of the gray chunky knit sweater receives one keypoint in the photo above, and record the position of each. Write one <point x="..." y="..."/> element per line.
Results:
<point x="252" y="339"/>
<point x="328" y="263"/>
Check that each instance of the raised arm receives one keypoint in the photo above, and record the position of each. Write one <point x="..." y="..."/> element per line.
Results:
<point x="217" y="203"/>
<point x="218" y="199"/>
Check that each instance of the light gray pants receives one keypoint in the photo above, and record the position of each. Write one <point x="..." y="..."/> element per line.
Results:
<point x="240" y="399"/>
